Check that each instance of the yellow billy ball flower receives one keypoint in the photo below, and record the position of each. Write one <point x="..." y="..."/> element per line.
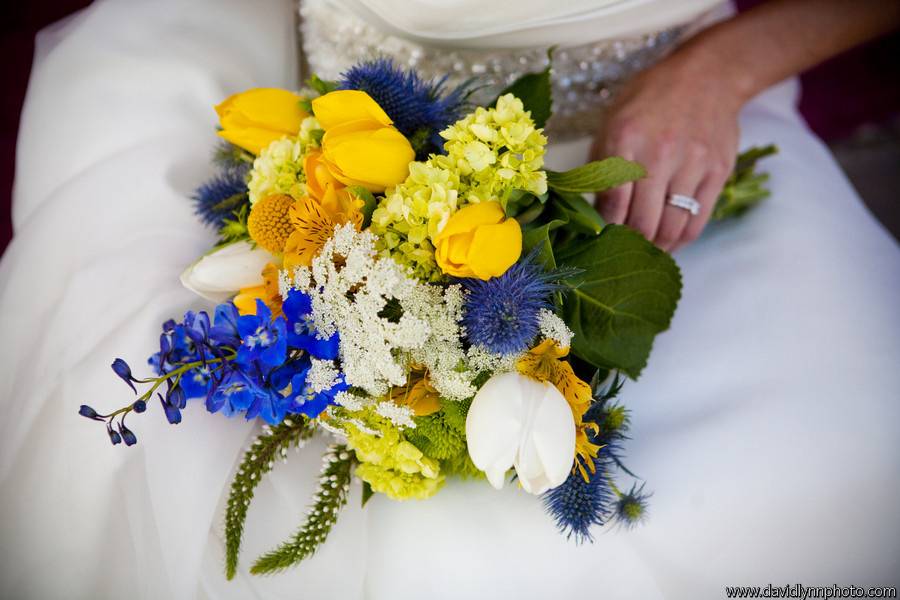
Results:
<point x="269" y="222"/>
<point x="255" y="118"/>
<point x="478" y="241"/>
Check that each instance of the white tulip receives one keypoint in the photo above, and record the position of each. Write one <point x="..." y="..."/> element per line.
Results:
<point x="516" y="421"/>
<point x="221" y="274"/>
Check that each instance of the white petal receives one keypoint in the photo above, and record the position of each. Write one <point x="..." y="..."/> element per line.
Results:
<point x="221" y="274"/>
<point x="494" y="426"/>
<point x="517" y="421"/>
<point x="548" y="448"/>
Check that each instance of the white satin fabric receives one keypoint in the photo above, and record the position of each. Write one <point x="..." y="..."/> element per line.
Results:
<point x="765" y="423"/>
<point x="523" y="23"/>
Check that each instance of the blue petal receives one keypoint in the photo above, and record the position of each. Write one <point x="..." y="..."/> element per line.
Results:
<point x="247" y="325"/>
<point x="323" y="349"/>
<point x="296" y="306"/>
<point x="225" y="324"/>
<point x="121" y="368"/>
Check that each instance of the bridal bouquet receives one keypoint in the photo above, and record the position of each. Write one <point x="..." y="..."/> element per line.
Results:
<point x="397" y="268"/>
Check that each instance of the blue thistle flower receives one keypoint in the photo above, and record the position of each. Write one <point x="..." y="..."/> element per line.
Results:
<point x="502" y="313"/>
<point x="420" y="110"/>
<point x="612" y="429"/>
<point x="631" y="508"/>
<point x="218" y="198"/>
<point x="577" y="505"/>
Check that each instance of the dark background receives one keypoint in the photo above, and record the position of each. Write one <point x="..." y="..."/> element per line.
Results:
<point x="852" y="102"/>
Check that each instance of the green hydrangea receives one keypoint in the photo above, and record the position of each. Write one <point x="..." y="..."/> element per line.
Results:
<point x="415" y="211"/>
<point x="496" y="150"/>
<point x="278" y="170"/>
<point x="490" y="152"/>
<point x="390" y="464"/>
<point x="279" y="167"/>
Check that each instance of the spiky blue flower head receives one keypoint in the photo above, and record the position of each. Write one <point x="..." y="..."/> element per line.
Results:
<point x="420" y="110"/>
<point x="577" y="505"/>
<point x="218" y="198"/>
<point x="631" y="508"/>
<point x="502" y="314"/>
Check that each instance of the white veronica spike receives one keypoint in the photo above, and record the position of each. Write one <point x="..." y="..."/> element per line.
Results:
<point x="516" y="421"/>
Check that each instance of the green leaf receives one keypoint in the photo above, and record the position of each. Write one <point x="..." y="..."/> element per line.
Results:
<point x="235" y="230"/>
<point x="258" y="461"/>
<point x="626" y="294"/>
<point x="596" y="176"/>
<point x="370" y="202"/>
<point x="330" y="498"/>
<point x="367" y="493"/>
<point x="582" y="217"/>
<point x="321" y="86"/>
<point x="534" y="90"/>
<point x="316" y="136"/>
<point x="541" y="236"/>
<point x="745" y="188"/>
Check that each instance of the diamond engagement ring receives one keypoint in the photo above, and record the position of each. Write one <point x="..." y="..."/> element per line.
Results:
<point x="686" y="202"/>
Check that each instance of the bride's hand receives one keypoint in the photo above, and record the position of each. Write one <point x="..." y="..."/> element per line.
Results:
<point x="679" y="118"/>
<point x="680" y="123"/>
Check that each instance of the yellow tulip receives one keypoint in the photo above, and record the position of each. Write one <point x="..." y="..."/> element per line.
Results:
<point x="360" y="146"/>
<point x="478" y="241"/>
<point x="255" y="118"/>
<point x="343" y="106"/>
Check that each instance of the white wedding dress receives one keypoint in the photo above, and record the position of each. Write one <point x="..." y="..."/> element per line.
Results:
<point x="766" y="423"/>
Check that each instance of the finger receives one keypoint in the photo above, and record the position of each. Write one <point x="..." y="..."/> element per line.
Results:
<point x="707" y="195"/>
<point x="613" y="204"/>
<point x="685" y="182"/>
<point x="647" y="200"/>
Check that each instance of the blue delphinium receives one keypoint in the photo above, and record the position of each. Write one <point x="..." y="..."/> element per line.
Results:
<point x="241" y="364"/>
<point x="263" y="340"/>
<point x="297" y="308"/>
<point x="223" y="194"/>
<point x="420" y="110"/>
<point x="253" y="389"/>
<point x="502" y="314"/>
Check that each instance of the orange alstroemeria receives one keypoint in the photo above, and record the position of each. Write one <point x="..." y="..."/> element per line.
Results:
<point x="418" y="394"/>
<point x="314" y="222"/>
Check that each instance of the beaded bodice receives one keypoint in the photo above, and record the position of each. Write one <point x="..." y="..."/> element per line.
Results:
<point x="585" y="77"/>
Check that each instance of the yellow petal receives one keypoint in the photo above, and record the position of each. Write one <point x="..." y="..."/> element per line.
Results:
<point x="376" y="159"/>
<point x="495" y="248"/>
<point x="318" y="177"/>
<point x="342" y="106"/>
<point x="252" y="140"/>
<point x="576" y="392"/>
<point x="421" y="398"/>
<point x="470" y="217"/>
<point x="266" y="108"/>
<point x="245" y="301"/>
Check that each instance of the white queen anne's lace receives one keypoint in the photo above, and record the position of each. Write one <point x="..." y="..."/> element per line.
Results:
<point x="387" y="320"/>
<point x="554" y="328"/>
